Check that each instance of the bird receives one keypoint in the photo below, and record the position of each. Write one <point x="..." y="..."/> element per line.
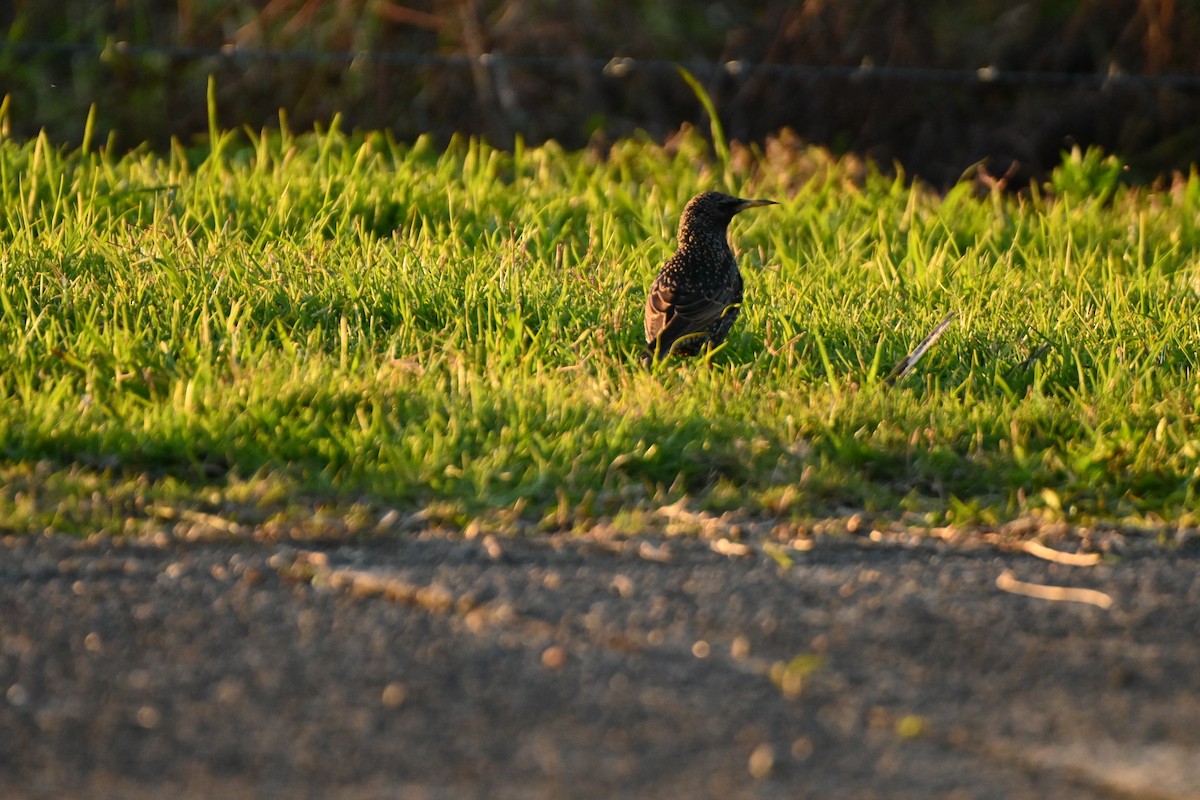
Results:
<point x="697" y="295"/>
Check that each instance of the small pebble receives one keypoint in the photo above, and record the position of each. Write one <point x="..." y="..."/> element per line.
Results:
<point x="148" y="717"/>
<point x="393" y="695"/>
<point x="554" y="657"/>
<point x="17" y="695"/>
<point x="762" y="761"/>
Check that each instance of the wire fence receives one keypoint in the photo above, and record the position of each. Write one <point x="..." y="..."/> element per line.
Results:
<point x="931" y="120"/>
<point x="619" y="66"/>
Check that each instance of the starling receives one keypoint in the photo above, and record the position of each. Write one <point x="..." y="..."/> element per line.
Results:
<point x="698" y="294"/>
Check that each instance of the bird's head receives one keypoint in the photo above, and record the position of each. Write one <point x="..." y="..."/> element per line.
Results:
<point x="713" y="211"/>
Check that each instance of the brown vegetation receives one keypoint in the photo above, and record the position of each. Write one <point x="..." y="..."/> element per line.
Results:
<point x="549" y="81"/>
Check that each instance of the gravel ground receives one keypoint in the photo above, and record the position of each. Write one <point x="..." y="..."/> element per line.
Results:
<point x="582" y="667"/>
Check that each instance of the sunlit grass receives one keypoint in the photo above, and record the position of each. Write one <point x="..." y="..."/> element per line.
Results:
<point x="289" y="323"/>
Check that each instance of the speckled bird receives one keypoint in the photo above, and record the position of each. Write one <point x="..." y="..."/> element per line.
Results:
<point x="698" y="294"/>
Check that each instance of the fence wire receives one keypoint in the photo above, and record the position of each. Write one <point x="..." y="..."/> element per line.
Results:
<point x="617" y="66"/>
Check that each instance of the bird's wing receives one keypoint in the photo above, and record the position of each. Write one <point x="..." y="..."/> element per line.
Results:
<point x="674" y="312"/>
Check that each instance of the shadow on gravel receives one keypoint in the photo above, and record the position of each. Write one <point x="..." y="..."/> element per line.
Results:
<point x="590" y="666"/>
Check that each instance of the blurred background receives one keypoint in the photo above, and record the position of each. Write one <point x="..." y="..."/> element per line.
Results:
<point x="934" y="85"/>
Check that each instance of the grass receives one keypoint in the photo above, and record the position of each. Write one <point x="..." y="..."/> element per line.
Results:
<point x="330" y="334"/>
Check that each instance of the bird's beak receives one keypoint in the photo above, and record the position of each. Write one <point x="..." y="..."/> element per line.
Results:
<point x="742" y="206"/>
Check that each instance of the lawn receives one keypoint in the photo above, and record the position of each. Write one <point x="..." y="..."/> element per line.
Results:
<point x="337" y="334"/>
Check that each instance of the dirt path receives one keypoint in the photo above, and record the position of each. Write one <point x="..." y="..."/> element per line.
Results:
<point x="441" y="668"/>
